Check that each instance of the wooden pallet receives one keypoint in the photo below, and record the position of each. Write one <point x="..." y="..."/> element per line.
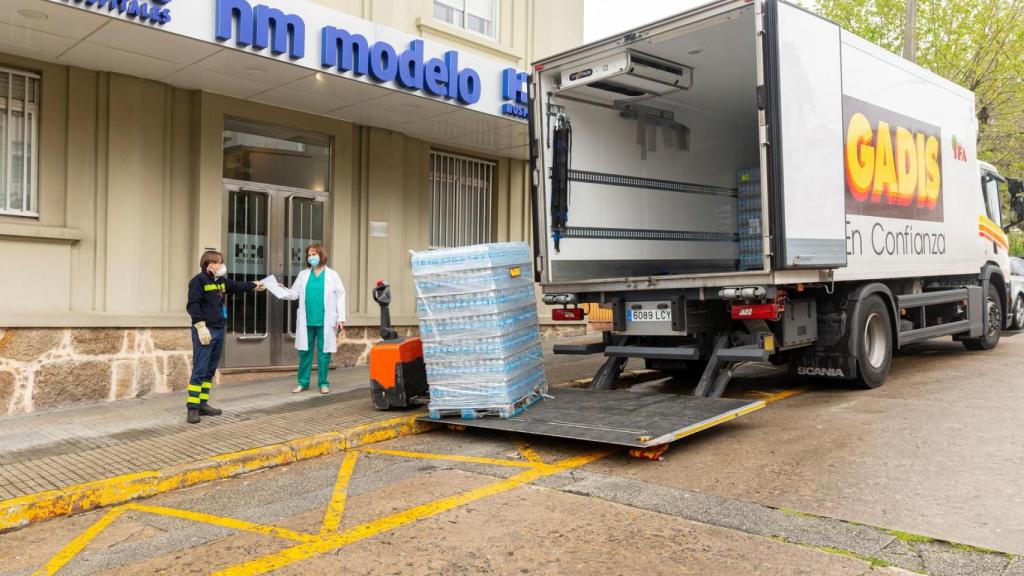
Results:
<point x="507" y="411"/>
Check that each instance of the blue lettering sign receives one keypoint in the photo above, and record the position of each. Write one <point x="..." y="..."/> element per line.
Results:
<point x="151" y="12"/>
<point x="347" y="52"/>
<point x="410" y="66"/>
<point x="436" y="77"/>
<point x="260" y="27"/>
<point x="383" y="62"/>
<point x="344" y="51"/>
<point x="284" y="27"/>
<point x="513" y="88"/>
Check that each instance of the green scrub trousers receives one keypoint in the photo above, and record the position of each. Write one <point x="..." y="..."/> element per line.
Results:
<point x="314" y="334"/>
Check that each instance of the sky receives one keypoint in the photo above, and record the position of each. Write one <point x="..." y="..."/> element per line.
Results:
<point x="603" y="18"/>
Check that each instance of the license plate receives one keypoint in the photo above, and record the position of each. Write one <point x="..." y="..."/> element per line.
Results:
<point x="655" y="315"/>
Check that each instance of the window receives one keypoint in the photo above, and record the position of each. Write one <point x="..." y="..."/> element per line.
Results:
<point x="276" y="155"/>
<point x="478" y="16"/>
<point x="992" y="199"/>
<point x="461" y="200"/>
<point x="19" y="142"/>
<point x="1017" y="266"/>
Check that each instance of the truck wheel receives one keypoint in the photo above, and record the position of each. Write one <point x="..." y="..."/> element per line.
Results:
<point x="1018" y="312"/>
<point x="993" y="320"/>
<point x="874" y="343"/>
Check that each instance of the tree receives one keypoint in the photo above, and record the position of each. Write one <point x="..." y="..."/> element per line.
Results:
<point x="978" y="44"/>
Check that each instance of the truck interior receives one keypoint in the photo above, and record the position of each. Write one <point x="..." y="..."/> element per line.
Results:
<point x="653" y="154"/>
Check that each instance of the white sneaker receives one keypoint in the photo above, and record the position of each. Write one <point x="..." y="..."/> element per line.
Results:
<point x="298" y="389"/>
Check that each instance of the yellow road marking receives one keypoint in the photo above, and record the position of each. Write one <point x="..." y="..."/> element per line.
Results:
<point x="329" y="543"/>
<point x="312" y="545"/>
<point x="336" y="508"/>
<point x="78" y="544"/>
<point x="452" y="457"/>
<point x="770" y="397"/>
<point x="784" y="394"/>
<point x="527" y="452"/>
<point x="233" y="523"/>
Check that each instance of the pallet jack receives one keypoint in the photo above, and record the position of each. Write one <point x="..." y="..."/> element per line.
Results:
<point x="398" y="375"/>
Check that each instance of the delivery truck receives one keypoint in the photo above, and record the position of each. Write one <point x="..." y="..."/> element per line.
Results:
<point x="748" y="182"/>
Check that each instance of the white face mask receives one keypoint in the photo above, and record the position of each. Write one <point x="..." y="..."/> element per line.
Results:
<point x="220" y="272"/>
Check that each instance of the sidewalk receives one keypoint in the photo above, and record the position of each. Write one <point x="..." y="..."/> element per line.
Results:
<point x="54" y="450"/>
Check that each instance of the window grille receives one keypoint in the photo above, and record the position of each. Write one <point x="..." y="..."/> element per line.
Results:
<point x="461" y="200"/>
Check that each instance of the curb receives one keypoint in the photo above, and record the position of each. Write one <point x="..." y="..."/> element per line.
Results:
<point x="33" y="508"/>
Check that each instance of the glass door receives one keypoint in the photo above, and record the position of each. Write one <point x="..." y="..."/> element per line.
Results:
<point x="267" y="231"/>
<point x="248" y="255"/>
<point x="304" y="225"/>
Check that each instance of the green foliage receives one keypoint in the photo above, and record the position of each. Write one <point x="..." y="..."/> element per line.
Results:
<point x="978" y="44"/>
<point x="1016" y="243"/>
<point x="909" y="537"/>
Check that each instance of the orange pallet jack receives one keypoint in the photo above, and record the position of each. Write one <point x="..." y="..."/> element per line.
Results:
<point x="397" y="373"/>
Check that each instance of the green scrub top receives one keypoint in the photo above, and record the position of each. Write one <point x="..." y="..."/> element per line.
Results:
<point x="315" y="298"/>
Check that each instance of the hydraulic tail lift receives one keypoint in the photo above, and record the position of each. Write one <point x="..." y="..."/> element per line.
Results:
<point x="642" y="420"/>
<point x="646" y="422"/>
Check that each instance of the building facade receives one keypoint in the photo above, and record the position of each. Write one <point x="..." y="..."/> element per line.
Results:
<point x="135" y="135"/>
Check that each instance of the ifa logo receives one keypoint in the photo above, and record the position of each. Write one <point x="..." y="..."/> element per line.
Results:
<point x="959" y="152"/>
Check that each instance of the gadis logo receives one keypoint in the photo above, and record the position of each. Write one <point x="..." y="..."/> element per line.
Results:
<point x="893" y="164"/>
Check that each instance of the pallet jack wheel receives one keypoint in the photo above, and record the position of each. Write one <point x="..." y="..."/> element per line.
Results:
<point x="380" y="396"/>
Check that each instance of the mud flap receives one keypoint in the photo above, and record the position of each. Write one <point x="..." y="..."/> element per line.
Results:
<point x="628" y="418"/>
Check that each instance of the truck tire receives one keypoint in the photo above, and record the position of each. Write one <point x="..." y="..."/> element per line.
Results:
<point x="993" y="321"/>
<point x="1018" y="312"/>
<point x="874" y="343"/>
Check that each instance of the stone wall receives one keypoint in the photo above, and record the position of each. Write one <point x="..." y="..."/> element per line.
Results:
<point x="48" y="368"/>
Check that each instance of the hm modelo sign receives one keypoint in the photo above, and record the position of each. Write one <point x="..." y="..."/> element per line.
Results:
<point x="893" y="164"/>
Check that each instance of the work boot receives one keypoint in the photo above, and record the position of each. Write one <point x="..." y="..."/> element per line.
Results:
<point x="207" y="410"/>
<point x="193" y="416"/>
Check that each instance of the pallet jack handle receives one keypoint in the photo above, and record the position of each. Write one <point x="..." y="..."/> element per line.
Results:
<point x="382" y="296"/>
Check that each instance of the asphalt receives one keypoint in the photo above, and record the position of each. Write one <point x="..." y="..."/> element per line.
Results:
<point x="920" y="475"/>
<point x="937" y="451"/>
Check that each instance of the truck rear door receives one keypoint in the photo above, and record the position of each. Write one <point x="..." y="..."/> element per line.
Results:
<point x="801" y="98"/>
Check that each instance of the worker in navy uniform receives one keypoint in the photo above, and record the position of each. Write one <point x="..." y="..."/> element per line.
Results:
<point x="207" y="305"/>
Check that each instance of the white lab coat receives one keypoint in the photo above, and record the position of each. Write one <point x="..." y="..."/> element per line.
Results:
<point x="334" y="308"/>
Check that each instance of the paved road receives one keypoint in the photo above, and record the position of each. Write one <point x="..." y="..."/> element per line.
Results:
<point x="923" y="473"/>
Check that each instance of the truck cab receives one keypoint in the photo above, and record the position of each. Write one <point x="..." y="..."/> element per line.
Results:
<point x="993" y="225"/>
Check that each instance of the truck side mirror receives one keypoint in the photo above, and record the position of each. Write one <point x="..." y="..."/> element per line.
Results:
<point x="1017" y="208"/>
<point x="1015" y="186"/>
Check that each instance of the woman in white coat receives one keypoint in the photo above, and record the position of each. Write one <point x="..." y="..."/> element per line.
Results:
<point x="320" y="317"/>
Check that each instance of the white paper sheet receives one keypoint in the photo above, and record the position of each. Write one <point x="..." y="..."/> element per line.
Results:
<point x="273" y="287"/>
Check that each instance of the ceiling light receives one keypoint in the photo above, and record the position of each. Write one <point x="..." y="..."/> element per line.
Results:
<point x="32" y="14"/>
<point x="253" y="69"/>
<point x="411" y="106"/>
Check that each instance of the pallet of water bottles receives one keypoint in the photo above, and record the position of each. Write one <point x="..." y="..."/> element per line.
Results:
<point x="478" y="323"/>
<point x="748" y="216"/>
<point x="505" y="398"/>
